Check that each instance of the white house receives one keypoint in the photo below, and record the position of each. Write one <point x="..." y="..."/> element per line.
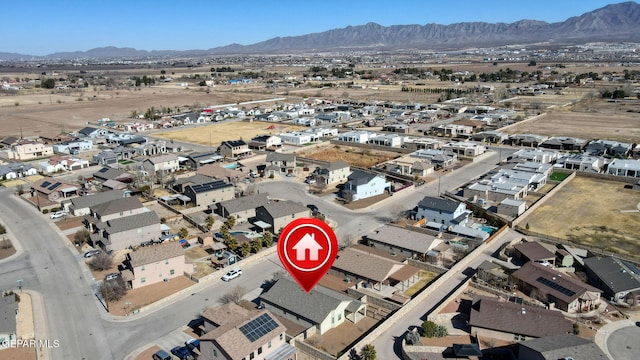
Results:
<point x="73" y="146"/>
<point x="392" y="140"/>
<point x="362" y="185"/>
<point x="166" y="163"/>
<point x="624" y="167"/>
<point x="443" y="211"/>
<point x="465" y="148"/>
<point x="357" y="136"/>
<point x="298" y="138"/>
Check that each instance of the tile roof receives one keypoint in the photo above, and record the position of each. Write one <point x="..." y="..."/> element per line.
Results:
<point x="99" y="198"/>
<point x="315" y="306"/>
<point x="490" y="313"/>
<point x="404" y="238"/>
<point x="116" y="206"/>
<point x="132" y="222"/>
<point x="278" y="209"/>
<point x="159" y="159"/>
<point x="151" y="254"/>
<point x="232" y="335"/>
<point x="364" y="265"/>
<point x="245" y="203"/>
<point x="359" y="177"/>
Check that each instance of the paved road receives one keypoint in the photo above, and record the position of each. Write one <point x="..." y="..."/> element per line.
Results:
<point x="83" y="328"/>
<point x="623" y="343"/>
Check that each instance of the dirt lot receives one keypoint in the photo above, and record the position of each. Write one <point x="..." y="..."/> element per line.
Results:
<point x="601" y="121"/>
<point x="353" y="156"/>
<point x="214" y="134"/>
<point x="18" y="353"/>
<point x="6" y="249"/>
<point x="592" y="212"/>
<point x="148" y="295"/>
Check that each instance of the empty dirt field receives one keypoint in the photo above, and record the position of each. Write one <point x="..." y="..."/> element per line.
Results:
<point x="214" y="134"/>
<point x="594" y="213"/>
<point x="604" y="121"/>
<point x="353" y="156"/>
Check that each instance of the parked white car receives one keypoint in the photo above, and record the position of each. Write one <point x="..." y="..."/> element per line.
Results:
<point x="232" y="274"/>
<point x="58" y="214"/>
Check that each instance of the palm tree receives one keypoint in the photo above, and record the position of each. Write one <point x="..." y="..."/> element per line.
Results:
<point x="368" y="352"/>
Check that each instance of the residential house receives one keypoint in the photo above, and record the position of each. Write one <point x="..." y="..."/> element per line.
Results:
<point x="439" y="158"/>
<point x="624" y="167"/>
<point x="556" y="289"/>
<point x="357" y="136"/>
<point x="181" y="183"/>
<point x="242" y="208"/>
<point x="59" y="163"/>
<point x="280" y="163"/>
<point x="397" y="128"/>
<point x="210" y="192"/>
<point x="494" y="137"/>
<point x="92" y="132"/>
<point x="563" y="346"/>
<point x="120" y="233"/>
<point x="517" y="322"/>
<point x="533" y="181"/>
<point x="363" y="184"/>
<point x="16" y="170"/>
<point x="528" y="140"/>
<point x="54" y="139"/>
<point x="535" y="155"/>
<point x="107" y="157"/>
<point x="530" y="166"/>
<point x="443" y="211"/>
<point x="618" y="279"/>
<point x="73" y="147"/>
<point x="403" y="242"/>
<point x="113" y="209"/>
<point x="153" y="264"/>
<point x="465" y="148"/>
<point x="535" y="252"/>
<point x="8" y="315"/>
<point x="496" y="191"/>
<point x="407" y="165"/>
<point x="108" y="173"/>
<point x="80" y="206"/>
<point x="164" y="164"/>
<point x="53" y="189"/>
<point x="28" y="150"/>
<point x="262" y="142"/>
<point x="152" y="149"/>
<point x="299" y="138"/>
<point x="233" y="332"/>
<point x="218" y="172"/>
<point x="196" y="160"/>
<point x="564" y="143"/>
<point x="451" y="130"/>
<point x="581" y="162"/>
<point x="318" y="311"/>
<point x="332" y="173"/>
<point x="371" y="271"/>
<point x="277" y="214"/>
<point x="235" y="149"/>
<point x="390" y="140"/>
<point x="421" y="143"/>
<point x="608" y="147"/>
<point x="511" y="208"/>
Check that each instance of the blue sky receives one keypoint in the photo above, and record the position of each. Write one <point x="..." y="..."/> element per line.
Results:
<point x="40" y="27"/>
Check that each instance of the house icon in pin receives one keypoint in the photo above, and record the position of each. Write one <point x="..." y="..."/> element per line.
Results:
<point x="308" y="242"/>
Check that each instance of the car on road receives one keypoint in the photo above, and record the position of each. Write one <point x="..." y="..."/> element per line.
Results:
<point x="111" y="276"/>
<point x="232" y="274"/>
<point x="290" y="174"/>
<point x="313" y="208"/>
<point x="58" y="214"/>
<point x="184" y="243"/>
<point x="161" y="355"/>
<point x="92" y="253"/>
<point x="310" y="181"/>
<point x="182" y="352"/>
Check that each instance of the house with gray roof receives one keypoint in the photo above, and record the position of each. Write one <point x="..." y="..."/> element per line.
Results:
<point x="8" y="315"/>
<point x="153" y="264"/>
<point x="443" y="211"/>
<point x="332" y="173"/>
<point x="402" y="242"/>
<point x="563" y="346"/>
<point x="564" y="143"/>
<point x="363" y="184"/>
<point x="321" y="309"/>
<point x="16" y="170"/>
<point x="113" y="209"/>
<point x="180" y="184"/>
<point x="108" y="173"/>
<point x="235" y="149"/>
<point x="127" y="231"/>
<point x="516" y="322"/>
<point x="624" y="167"/>
<point x="607" y="147"/>
<point x="233" y="332"/>
<point x="80" y="206"/>
<point x="581" y="162"/>
<point x="619" y="280"/>
<point x="242" y="208"/>
<point x="277" y="214"/>
<point x="197" y="159"/>
<point x="533" y="251"/>
<point x="280" y="163"/>
<point x="210" y="192"/>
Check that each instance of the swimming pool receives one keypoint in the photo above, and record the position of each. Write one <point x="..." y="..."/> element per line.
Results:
<point x="231" y="166"/>
<point x="486" y="228"/>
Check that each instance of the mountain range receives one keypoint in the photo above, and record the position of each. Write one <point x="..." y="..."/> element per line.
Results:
<point x="615" y="22"/>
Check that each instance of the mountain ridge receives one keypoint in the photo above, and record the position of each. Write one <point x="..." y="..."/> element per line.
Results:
<point x="614" y="22"/>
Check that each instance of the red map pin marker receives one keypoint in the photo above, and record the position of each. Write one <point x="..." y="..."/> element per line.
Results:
<point x="307" y="248"/>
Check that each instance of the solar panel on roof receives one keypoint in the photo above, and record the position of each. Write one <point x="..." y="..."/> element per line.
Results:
<point x="103" y="170"/>
<point x="45" y="184"/>
<point x="54" y="186"/>
<point x="258" y="327"/>
<point x="555" y="286"/>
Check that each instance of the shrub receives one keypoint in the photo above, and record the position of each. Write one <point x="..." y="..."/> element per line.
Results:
<point x="45" y="211"/>
<point x="3" y="230"/>
<point x="101" y="262"/>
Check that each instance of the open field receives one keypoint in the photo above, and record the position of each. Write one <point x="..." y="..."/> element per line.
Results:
<point x="214" y="134"/>
<point x="593" y="213"/>
<point x="353" y="156"/>
<point x="606" y="121"/>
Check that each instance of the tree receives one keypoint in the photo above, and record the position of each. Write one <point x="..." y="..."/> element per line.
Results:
<point x="244" y="249"/>
<point x="48" y="84"/>
<point x="3" y="230"/>
<point x="113" y="290"/>
<point x="101" y="262"/>
<point x="368" y="352"/>
<point x="183" y="232"/>
<point x="209" y="221"/>
<point x="231" y="221"/>
<point x="256" y="245"/>
<point x="81" y="236"/>
<point x="428" y="328"/>
<point x="234" y="296"/>
<point x="267" y="239"/>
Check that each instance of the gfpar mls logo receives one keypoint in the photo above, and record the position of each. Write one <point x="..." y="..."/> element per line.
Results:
<point x="29" y="343"/>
